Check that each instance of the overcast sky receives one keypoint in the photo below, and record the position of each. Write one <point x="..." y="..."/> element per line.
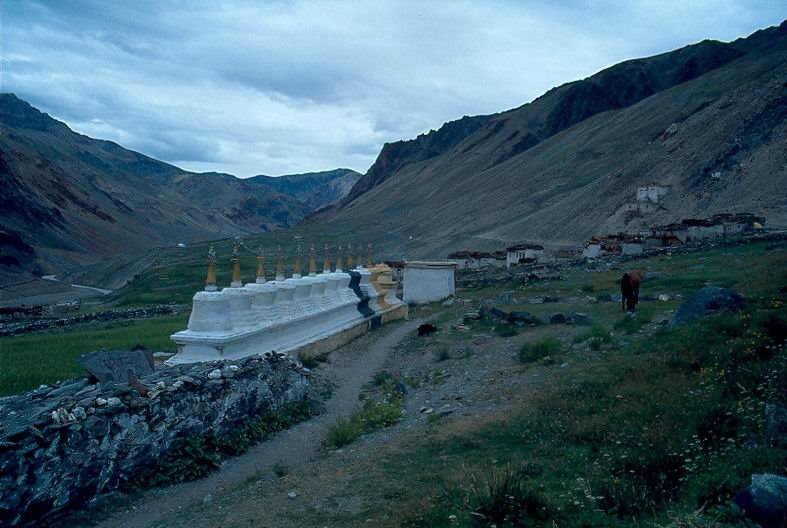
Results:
<point x="283" y="87"/>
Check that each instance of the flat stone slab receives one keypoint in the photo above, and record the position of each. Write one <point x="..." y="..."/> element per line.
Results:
<point x="113" y="366"/>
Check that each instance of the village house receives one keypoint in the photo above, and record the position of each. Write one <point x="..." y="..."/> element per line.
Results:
<point x="523" y="253"/>
<point x="702" y="229"/>
<point x="620" y="244"/>
<point x="478" y="259"/>
<point x="652" y="193"/>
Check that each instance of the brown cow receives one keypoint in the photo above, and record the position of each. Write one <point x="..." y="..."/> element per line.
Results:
<point x="629" y="290"/>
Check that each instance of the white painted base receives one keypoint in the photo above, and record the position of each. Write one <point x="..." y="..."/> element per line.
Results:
<point x="278" y="316"/>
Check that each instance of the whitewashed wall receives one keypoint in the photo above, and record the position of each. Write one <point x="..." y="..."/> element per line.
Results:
<point x="428" y="282"/>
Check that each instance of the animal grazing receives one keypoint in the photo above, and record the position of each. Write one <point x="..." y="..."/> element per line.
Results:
<point x="426" y="329"/>
<point x="629" y="290"/>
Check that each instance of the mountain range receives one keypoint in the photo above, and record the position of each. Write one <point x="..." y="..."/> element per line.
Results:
<point x="708" y="120"/>
<point x="69" y="199"/>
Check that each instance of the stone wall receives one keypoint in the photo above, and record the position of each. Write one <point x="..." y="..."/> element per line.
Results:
<point x="23" y="327"/>
<point x="68" y="445"/>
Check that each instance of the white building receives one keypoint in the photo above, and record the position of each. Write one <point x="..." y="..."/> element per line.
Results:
<point x="478" y="259"/>
<point x="652" y="193"/>
<point x="426" y="282"/>
<point x="515" y="254"/>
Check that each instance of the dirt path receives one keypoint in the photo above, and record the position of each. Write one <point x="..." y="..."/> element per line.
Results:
<point x="349" y="370"/>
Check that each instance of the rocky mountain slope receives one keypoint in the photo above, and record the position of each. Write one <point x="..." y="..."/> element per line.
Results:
<point x="315" y="189"/>
<point x="709" y="119"/>
<point x="72" y="200"/>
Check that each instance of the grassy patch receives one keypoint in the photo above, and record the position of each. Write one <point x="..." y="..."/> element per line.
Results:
<point x="597" y="335"/>
<point x="441" y="351"/>
<point x="33" y="359"/>
<point x="508" y="330"/>
<point x="543" y="348"/>
<point x="373" y="416"/>
<point x="648" y="436"/>
<point x="631" y="324"/>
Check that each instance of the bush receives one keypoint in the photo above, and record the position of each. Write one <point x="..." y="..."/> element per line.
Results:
<point x="374" y="416"/>
<point x="508" y="330"/>
<point x="632" y="324"/>
<point x="342" y="433"/>
<point x="503" y="498"/>
<point x="441" y="352"/>
<point x="541" y="349"/>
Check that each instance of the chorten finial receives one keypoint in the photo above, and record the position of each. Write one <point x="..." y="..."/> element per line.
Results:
<point x="210" y="282"/>
<point x="296" y="271"/>
<point x="312" y="262"/>
<point x="279" y="264"/>
<point x="360" y="256"/>
<point x="261" y="266"/>
<point x="236" y="282"/>
<point x="349" y="256"/>
<point x="339" y="259"/>
<point x="326" y="262"/>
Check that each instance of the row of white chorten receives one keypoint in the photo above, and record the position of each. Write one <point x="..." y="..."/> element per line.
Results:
<point x="297" y="269"/>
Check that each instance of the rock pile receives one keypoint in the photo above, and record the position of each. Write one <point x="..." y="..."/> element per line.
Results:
<point x="70" y="444"/>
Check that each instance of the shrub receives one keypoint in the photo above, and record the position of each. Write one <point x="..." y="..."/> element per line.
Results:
<point x="280" y="470"/>
<point x="587" y="288"/>
<point x="342" y="433"/>
<point x="508" y="330"/>
<point x="631" y="324"/>
<point x="503" y="498"/>
<point x="541" y="349"/>
<point x="373" y="416"/>
<point x="441" y="352"/>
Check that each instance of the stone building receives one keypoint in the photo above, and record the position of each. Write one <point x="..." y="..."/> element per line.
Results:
<point x="478" y="259"/>
<point x="652" y="193"/>
<point x="523" y="252"/>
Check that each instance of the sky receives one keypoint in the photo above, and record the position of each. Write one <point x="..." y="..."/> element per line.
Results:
<point x="298" y="86"/>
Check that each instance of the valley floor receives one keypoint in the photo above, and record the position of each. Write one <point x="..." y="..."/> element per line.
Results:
<point x="625" y="422"/>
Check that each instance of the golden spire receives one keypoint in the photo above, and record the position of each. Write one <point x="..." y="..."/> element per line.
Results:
<point x="236" y="283"/>
<point x="210" y="282"/>
<point x="369" y="260"/>
<point x="339" y="263"/>
<point x="296" y="271"/>
<point x="312" y="262"/>
<point x="349" y="256"/>
<point x="279" y="265"/>
<point x="326" y="262"/>
<point x="261" y="265"/>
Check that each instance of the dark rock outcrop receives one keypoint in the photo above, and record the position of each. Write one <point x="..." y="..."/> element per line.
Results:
<point x="710" y="299"/>
<point x="765" y="500"/>
<point x="65" y="446"/>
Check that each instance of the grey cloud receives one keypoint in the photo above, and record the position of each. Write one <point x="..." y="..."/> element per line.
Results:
<point x="248" y="87"/>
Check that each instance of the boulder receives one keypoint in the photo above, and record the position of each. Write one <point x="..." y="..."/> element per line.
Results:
<point x="765" y="500"/>
<point x="710" y="299"/>
<point x="523" y="318"/>
<point x="579" y="318"/>
<point x="557" y="318"/>
<point x="497" y="312"/>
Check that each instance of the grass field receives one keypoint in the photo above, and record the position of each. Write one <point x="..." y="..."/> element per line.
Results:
<point x="31" y="360"/>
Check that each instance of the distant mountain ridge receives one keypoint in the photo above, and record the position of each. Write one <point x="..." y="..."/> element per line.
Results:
<point x="562" y="167"/>
<point x="315" y="189"/>
<point x="69" y="199"/>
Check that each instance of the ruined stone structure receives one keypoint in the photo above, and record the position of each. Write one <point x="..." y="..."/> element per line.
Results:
<point x="322" y="310"/>
<point x="67" y="445"/>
